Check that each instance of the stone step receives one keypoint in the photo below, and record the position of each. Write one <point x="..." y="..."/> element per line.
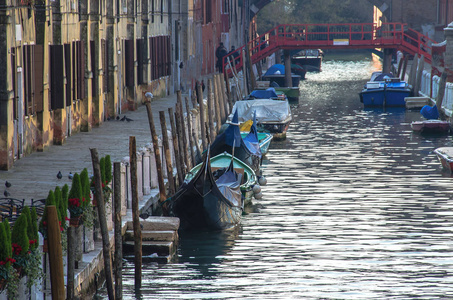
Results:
<point x="155" y="223"/>
<point x="150" y="247"/>
<point x="160" y="235"/>
<point x="416" y="102"/>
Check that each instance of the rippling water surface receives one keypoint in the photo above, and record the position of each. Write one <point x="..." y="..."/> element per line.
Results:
<point x="356" y="207"/>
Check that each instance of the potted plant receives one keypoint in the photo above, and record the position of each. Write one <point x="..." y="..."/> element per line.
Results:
<point x="20" y="242"/>
<point x="32" y="268"/>
<point x="42" y="228"/>
<point x="105" y="166"/>
<point x="88" y="213"/>
<point x="9" y="278"/>
<point x="75" y="201"/>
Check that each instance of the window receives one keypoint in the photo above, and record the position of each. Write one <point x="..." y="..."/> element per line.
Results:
<point x="78" y="70"/>
<point x="160" y="53"/>
<point x="56" y="77"/>
<point x="129" y="62"/>
<point x="67" y="69"/>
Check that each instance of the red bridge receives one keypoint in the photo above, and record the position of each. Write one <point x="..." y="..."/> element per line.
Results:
<point x="334" y="36"/>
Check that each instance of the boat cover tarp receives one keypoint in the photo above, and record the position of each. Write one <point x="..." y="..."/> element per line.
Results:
<point x="232" y="136"/>
<point x="430" y="113"/>
<point x="264" y="94"/>
<point x="251" y="140"/>
<point x="266" y="110"/>
<point x="275" y="69"/>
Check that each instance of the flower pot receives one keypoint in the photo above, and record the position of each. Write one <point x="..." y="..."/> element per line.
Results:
<point x="45" y="247"/>
<point x="75" y="221"/>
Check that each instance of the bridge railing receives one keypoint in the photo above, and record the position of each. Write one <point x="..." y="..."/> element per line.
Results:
<point x="325" y="36"/>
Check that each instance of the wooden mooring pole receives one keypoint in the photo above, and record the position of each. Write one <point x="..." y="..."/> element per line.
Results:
<point x="211" y="116"/>
<point x="189" y="129"/>
<point x="55" y="254"/>
<point x="165" y="143"/>
<point x="183" y="131"/>
<point x="160" y="176"/>
<point x="176" y="146"/>
<point x="202" y="119"/>
<point x="103" y="223"/>
<point x="117" y="227"/>
<point x="135" y="215"/>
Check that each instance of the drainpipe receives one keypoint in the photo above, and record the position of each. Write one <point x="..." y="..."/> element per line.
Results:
<point x="20" y="83"/>
<point x="120" y="87"/>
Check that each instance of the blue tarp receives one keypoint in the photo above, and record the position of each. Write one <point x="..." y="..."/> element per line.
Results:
<point x="275" y="69"/>
<point x="264" y="94"/>
<point x="430" y="113"/>
<point x="251" y="140"/>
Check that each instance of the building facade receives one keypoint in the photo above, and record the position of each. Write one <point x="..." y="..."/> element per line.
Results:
<point x="69" y="65"/>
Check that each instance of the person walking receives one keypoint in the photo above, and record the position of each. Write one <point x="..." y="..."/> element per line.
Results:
<point x="220" y="52"/>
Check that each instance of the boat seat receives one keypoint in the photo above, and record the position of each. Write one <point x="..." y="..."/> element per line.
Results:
<point x="239" y="171"/>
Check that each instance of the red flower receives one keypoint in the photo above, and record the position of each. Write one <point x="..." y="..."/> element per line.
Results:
<point x="17" y="249"/>
<point x="11" y="260"/>
<point x="44" y="223"/>
<point x="31" y="242"/>
<point x="2" y="263"/>
<point x="74" y="202"/>
<point x="66" y="219"/>
<point x="103" y="185"/>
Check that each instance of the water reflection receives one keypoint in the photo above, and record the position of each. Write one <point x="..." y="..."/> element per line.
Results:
<point x="356" y="207"/>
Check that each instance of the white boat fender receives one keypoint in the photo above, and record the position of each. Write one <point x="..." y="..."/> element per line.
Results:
<point x="262" y="180"/>
<point x="256" y="189"/>
<point x="258" y="196"/>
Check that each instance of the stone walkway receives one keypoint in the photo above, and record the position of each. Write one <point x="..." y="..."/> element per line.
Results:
<point x="33" y="176"/>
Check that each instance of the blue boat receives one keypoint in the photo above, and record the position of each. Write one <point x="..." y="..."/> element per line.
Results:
<point x="246" y="149"/>
<point x="387" y="93"/>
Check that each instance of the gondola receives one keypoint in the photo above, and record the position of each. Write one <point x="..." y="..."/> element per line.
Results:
<point x="207" y="202"/>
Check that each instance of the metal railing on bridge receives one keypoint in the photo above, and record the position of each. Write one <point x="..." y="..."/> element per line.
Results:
<point x="332" y="36"/>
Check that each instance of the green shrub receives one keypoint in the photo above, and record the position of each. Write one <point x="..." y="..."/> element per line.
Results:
<point x="86" y="192"/>
<point x="4" y="252"/>
<point x="42" y="228"/>
<point x="34" y="225"/>
<point x="19" y="237"/>
<point x="7" y="228"/>
<point x="108" y="169"/>
<point x="30" y="234"/>
<point x="102" y="167"/>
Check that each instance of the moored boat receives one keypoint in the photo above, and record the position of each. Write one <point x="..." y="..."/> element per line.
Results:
<point x="431" y="126"/>
<point x="264" y="140"/>
<point x="445" y="156"/>
<point x="245" y="149"/>
<point x="390" y="92"/>
<point x="221" y="162"/>
<point x="208" y="201"/>
<point x="272" y="116"/>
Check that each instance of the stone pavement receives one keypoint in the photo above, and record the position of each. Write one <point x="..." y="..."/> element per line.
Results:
<point x="33" y="176"/>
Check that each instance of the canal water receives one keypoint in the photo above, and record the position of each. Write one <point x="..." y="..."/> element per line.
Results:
<point x="356" y="207"/>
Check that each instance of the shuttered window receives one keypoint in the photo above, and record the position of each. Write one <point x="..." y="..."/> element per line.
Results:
<point x="160" y="54"/>
<point x="94" y="69"/>
<point x="56" y="77"/>
<point x="68" y="74"/>
<point x="13" y="77"/>
<point x="129" y="62"/>
<point x="105" y="65"/>
<point x="139" y="47"/>
<point x="28" y="79"/>
<point x="80" y="69"/>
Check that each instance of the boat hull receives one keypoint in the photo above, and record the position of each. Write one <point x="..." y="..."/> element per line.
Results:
<point x="431" y="126"/>
<point x="208" y="202"/>
<point x="292" y="93"/>
<point x="222" y="161"/>
<point x="264" y="140"/>
<point x="384" y="97"/>
<point x="445" y="156"/>
<point x="280" y="79"/>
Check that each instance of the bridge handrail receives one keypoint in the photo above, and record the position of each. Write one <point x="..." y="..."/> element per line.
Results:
<point x="358" y="35"/>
